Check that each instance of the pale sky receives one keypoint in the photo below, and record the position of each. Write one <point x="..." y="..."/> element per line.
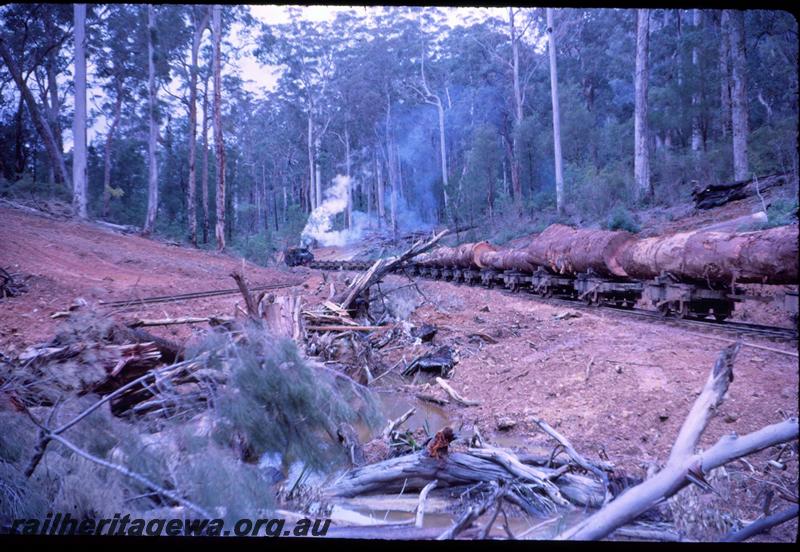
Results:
<point x="257" y="77"/>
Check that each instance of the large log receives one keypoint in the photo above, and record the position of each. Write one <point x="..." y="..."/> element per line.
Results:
<point x="567" y="250"/>
<point x="765" y="256"/>
<point x="507" y="259"/>
<point x="465" y="255"/>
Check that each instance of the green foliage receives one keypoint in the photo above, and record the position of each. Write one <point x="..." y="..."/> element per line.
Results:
<point x="277" y="402"/>
<point x="621" y="218"/>
<point x="782" y="211"/>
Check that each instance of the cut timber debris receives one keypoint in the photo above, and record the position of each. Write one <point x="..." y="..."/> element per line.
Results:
<point x="441" y="361"/>
<point x="713" y="195"/>
<point x="454" y="395"/>
<point x="11" y="285"/>
<point x="382" y="267"/>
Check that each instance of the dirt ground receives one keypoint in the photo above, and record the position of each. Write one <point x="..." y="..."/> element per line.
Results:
<point x="67" y="260"/>
<point x="618" y="388"/>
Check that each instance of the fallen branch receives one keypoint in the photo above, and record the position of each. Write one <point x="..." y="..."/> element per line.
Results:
<point x="580" y="460"/>
<point x="473" y="512"/>
<point x="423" y="496"/>
<point x="345" y="328"/>
<point x="762" y="525"/>
<point x="382" y="267"/>
<point x="215" y="320"/>
<point x="684" y="466"/>
<point x="454" y="394"/>
<point x="394" y="424"/>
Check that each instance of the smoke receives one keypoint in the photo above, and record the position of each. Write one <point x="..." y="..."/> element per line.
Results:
<point x="320" y="223"/>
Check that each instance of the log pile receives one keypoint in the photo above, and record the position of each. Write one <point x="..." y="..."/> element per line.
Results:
<point x="707" y="256"/>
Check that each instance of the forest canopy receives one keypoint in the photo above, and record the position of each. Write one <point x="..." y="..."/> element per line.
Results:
<point x="436" y="116"/>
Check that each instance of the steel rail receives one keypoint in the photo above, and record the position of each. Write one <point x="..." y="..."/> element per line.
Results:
<point x="189" y="296"/>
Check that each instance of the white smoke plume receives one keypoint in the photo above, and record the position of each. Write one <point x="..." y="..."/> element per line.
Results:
<point x="320" y="222"/>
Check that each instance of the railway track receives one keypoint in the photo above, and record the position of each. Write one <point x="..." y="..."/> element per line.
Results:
<point x="188" y="296"/>
<point x="730" y="326"/>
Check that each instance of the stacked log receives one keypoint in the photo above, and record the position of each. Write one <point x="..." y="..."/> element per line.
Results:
<point x="765" y="256"/>
<point x="507" y="259"/>
<point x="464" y="256"/>
<point x="567" y="250"/>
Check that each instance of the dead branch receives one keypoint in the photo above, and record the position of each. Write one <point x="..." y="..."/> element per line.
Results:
<point x="705" y="405"/>
<point x="214" y="320"/>
<point x="383" y="267"/>
<point x="423" y="496"/>
<point x="394" y="424"/>
<point x="762" y="525"/>
<point x="474" y="512"/>
<point x="345" y="328"/>
<point x="414" y="471"/>
<point x="580" y="460"/>
<point x="454" y="394"/>
<point x="249" y="300"/>
<point x="684" y="466"/>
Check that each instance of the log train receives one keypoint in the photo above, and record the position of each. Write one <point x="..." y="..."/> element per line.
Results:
<point x="692" y="274"/>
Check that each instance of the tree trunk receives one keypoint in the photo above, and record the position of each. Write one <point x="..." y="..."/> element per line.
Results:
<point x="556" y="112"/>
<point x="39" y="122"/>
<point x="725" y="75"/>
<point x="205" y="162"/>
<point x="312" y="188"/>
<point x="443" y="153"/>
<point x="191" y="202"/>
<point x="641" y="167"/>
<point x="79" y="184"/>
<point x="516" y="184"/>
<point x="696" y="135"/>
<point x="739" y="117"/>
<point x="380" y="189"/>
<point x="152" y="194"/>
<point x="107" y="154"/>
<point x="219" y="146"/>
<point x="349" y="213"/>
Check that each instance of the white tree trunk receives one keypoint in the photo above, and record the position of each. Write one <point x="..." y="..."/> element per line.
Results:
<point x="312" y="188"/>
<point x="739" y="118"/>
<point x="443" y="153"/>
<point x="556" y="112"/>
<point x="516" y="184"/>
<point x="641" y="167"/>
<point x="725" y="75"/>
<point x="191" y="202"/>
<point x="79" y="184"/>
<point x="219" y="145"/>
<point x="152" y="181"/>
<point x="696" y="136"/>
<point x="204" y="182"/>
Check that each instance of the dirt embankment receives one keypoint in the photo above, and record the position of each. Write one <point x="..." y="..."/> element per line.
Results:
<point x="67" y="260"/>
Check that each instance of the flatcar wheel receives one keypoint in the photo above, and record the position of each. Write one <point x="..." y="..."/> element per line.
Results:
<point x="664" y="309"/>
<point x="721" y="317"/>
